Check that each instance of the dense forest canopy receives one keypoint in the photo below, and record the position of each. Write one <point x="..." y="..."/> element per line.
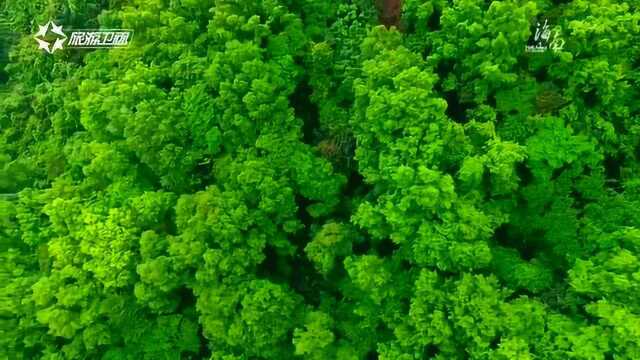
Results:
<point x="321" y="179"/>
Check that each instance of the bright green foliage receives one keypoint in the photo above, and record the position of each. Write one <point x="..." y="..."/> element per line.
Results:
<point x="332" y="241"/>
<point x="289" y="179"/>
<point x="315" y="340"/>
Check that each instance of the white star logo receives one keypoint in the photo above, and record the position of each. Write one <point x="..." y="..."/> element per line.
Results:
<point x="57" y="30"/>
<point x="43" y="30"/>
<point x="45" y="45"/>
<point x="57" y="45"/>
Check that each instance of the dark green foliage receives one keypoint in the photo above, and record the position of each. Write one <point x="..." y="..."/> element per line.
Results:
<point x="283" y="179"/>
